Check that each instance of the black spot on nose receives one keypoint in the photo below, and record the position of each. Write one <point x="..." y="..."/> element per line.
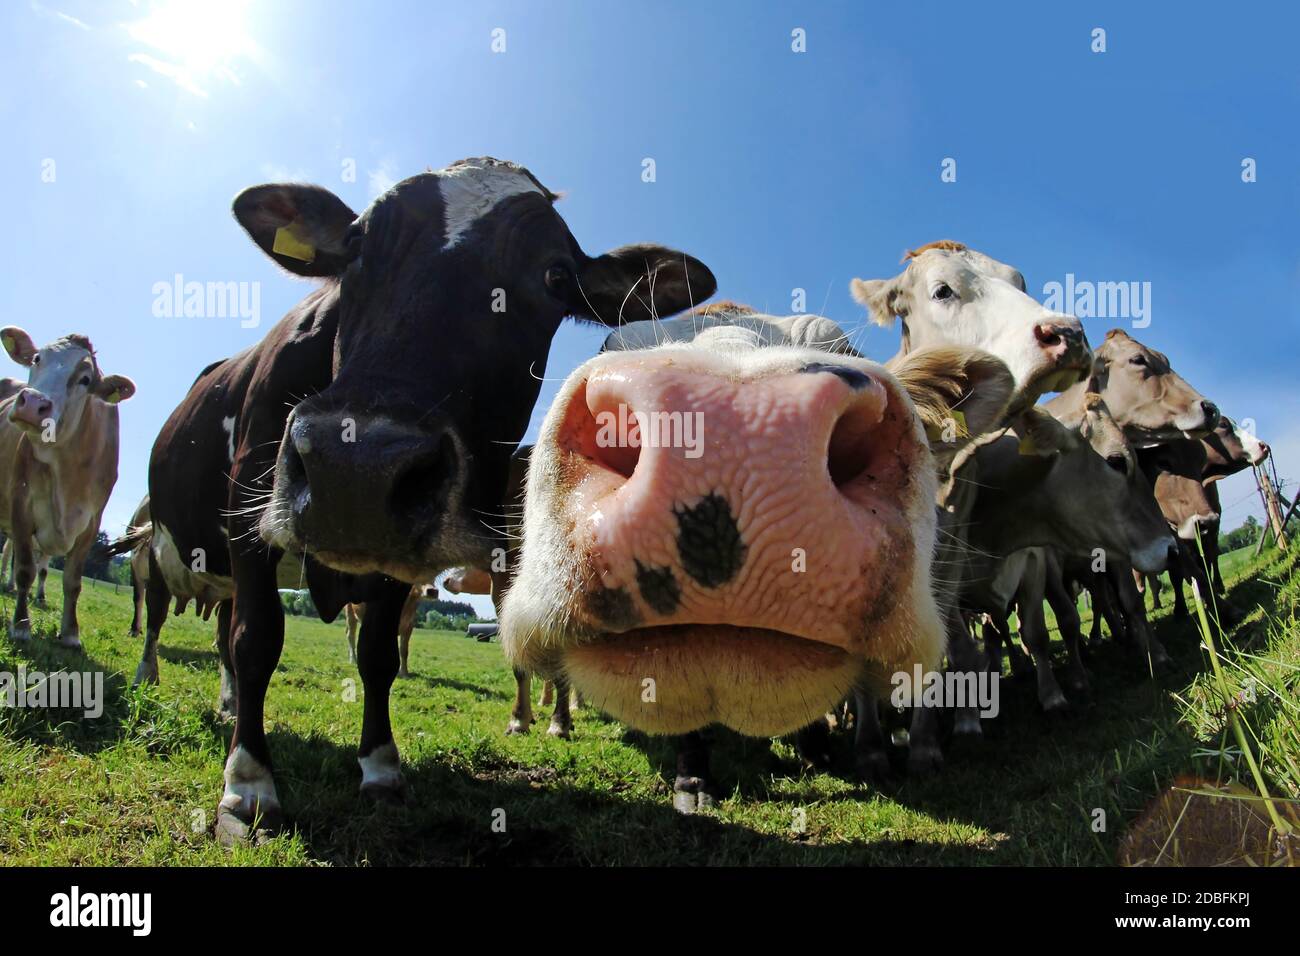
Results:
<point x="852" y="377"/>
<point x="658" y="588"/>
<point x="614" y="607"/>
<point x="709" y="542"/>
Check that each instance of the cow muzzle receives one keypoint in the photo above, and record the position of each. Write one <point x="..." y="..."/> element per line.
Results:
<point x="31" y="409"/>
<point x="365" y="493"/>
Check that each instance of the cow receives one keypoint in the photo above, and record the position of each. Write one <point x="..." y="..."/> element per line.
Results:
<point x="353" y="614"/>
<point x="58" y="453"/>
<point x="954" y="295"/>
<point x="1154" y="405"/>
<point x="7" y="571"/>
<point x="1184" y="473"/>
<point x="763" y="540"/>
<point x="370" y="430"/>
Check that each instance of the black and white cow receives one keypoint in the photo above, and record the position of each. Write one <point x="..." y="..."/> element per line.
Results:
<point x="371" y="429"/>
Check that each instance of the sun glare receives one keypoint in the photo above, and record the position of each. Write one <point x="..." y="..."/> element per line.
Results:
<point x="202" y="37"/>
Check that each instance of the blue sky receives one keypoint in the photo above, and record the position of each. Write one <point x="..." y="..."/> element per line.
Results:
<point x="781" y="170"/>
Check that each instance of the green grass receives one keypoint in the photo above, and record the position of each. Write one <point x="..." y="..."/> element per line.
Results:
<point x="140" y="784"/>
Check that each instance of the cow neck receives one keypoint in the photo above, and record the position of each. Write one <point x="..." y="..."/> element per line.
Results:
<point x="70" y="463"/>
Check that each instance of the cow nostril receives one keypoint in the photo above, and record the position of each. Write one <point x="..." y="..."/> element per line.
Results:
<point x="1211" y="411"/>
<point x="850" y="453"/>
<point x="422" y="487"/>
<point x="1047" y="335"/>
<point x="606" y="436"/>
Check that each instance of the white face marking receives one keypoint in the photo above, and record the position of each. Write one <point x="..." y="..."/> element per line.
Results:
<point x="471" y="192"/>
<point x="228" y="426"/>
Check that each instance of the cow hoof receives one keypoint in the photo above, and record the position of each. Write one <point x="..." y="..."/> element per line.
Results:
<point x="1055" y="703"/>
<point x="146" y="673"/>
<point x="71" y="641"/>
<point x="691" y="794"/>
<point x="924" y="760"/>
<point x="561" y="730"/>
<point x="231" y="830"/>
<point x="517" y="726"/>
<point x="405" y="675"/>
<point x="873" y="768"/>
<point x="381" y="775"/>
<point x="967" y="725"/>
<point x="226" y="711"/>
<point x="385" y="794"/>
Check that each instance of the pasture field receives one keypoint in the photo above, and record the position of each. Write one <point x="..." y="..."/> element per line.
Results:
<point x="139" y="785"/>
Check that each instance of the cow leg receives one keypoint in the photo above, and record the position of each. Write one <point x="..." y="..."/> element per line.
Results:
<point x="521" y="715"/>
<point x="1176" y="577"/>
<point x="1154" y="585"/>
<point x="351" y="621"/>
<point x="964" y="657"/>
<point x="24" y="571"/>
<point x="1135" y="614"/>
<point x="226" y="704"/>
<point x="561" y="719"/>
<point x="691" y="788"/>
<point x="42" y="572"/>
<point x="69" y="630"/>
<point x="1033" y="631"/>
<point x="1067" y="619"/>
<point x="548" y="693"/>
<point x="1104" y="607"/>
<point x="250" y="803"/>
<point x="404" y="652"/>
<point x="137" y="605"/>
<point x="7" y="565"/>
<point x="377" y="659"/>
<point x="870" y="758"/>
<point x="156" y="599"/>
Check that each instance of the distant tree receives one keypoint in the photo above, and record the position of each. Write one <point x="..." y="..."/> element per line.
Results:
<point x="1241" y="537"/>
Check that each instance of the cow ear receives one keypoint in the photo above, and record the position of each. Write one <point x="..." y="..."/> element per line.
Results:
<point x="302" y="228"/>
<point x="641" y="282"/>
<point x="959" y="393"/>
<point x="115" y="388"/>
<point x="880" y="296"/>
<point x="18" y="344"/>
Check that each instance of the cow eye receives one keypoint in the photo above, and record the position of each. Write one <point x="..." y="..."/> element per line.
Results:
<point x="85" y="380"/>
<point x="36" y="359"/>
<point x="943" y="292"/>
<point x="559" y="281"/>
<point x="1138" y="360"/>
<point x="1118" y="462"/>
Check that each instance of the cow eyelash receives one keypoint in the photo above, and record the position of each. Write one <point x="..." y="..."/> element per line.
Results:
<point x="942" y="292"/>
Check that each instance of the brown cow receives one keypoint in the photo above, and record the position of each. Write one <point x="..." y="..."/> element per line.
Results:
<point x="58" y="442"/>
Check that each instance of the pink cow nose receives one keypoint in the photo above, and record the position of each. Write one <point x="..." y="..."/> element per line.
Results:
<point x="693" y="489"/>
<point x="1057" y="340"/>
<point x="31" y="408"/>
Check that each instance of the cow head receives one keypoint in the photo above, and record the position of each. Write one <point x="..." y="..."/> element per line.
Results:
<point x="450" y="288"/>
<point x="1177" y="470"/>
<point x="756" y="541"/>
<point x="1149" y="400"/>
<point x="1230" y="449"/>
<point x="62" y="378"/>
<point x="952" y="295"/>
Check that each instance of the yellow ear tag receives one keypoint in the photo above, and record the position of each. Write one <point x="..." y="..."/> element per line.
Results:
<point x="287" y="244"/>
<point x="113" y="397"/>
<point x="935" y="431"/>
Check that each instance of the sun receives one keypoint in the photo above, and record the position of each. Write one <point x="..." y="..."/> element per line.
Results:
<point x="203" y="37"/>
